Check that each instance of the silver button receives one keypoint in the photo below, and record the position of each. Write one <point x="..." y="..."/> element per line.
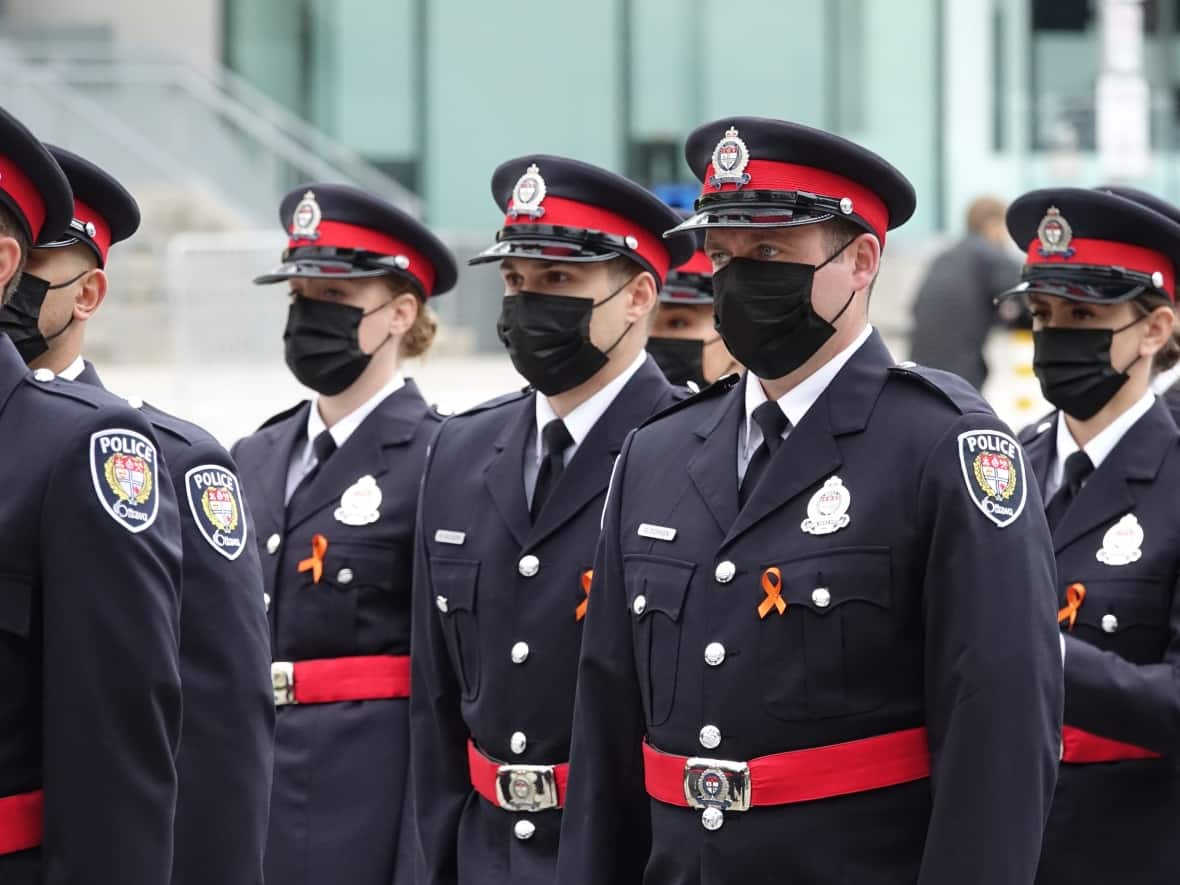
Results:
<point x="520" y="652"/>
<point x="518" y="742"/>
<point x="710" y="737"/>
<point x="639" y="605"/>
<point x="91" y="230"/>
<point x="524" y="829"/>
<point x="266" y="600"/>
<point x="441" y="603"/>
<point x="714" y="654"/>
<point x="1043" y="426"/>
<point x="528" y="565"/>
<point x="712" y="818"/>
<point x="906" y="364"/>
<point x="846" y="205"/>
<point x="725" y="572"/>
<point x="272" y="544"/>
<point x="402" y="261"/>
<point x="1110" y="623"/>
<point x="344" y="576"/>
<point x="822" y="597"/>
<point x="135" y="402"/>
<point x="631" y="242"/>
<point x="43" y="375"/>
<point x="1157" y="279"/>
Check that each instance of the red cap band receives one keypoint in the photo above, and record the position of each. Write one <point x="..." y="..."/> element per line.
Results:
<point x="698" y="264"/>
<point x="339" y="235"/>
<point x="24" y="193"/>
<point x="570" y="213"/>
<point x="1107" y="253"/>
<point x="769" y="175"/>
<point x="102" y="230"/>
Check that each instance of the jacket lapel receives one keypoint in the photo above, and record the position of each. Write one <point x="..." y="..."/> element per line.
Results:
<point x="1110" y="491"/>
<point x="504" y="476"/>
<point x="270" y="475"/>
<point x="588" y="472"/>
<point x="713" y="469"/>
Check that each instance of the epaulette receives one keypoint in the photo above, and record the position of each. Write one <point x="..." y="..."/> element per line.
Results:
<point x="515" y="396"/>
<point x="1036" y="428"/>
<point x="186" y="431"/>
<point x="947" y="385"/>
<point x="95" y="397"/>
<point x="281" y="416"/>
<point x="719" y="387"/>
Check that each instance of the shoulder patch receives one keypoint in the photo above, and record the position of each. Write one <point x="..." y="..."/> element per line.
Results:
<point x="717" y="388"/>
<point x="281" y="416"/>
<point x="495" y="403"/>
<point x="123" y="465"/>
<point x="215" y="499"/>
<point x="948" y="385"/>
<point x="993" y="469"/>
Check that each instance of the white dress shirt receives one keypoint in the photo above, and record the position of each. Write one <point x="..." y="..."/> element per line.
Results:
<point x="73" y="370"/>
<point x="579" y="422"/>
<point x="303" y="458"/>
<point x="1099" y="448"/>
<point x="795" y="403"/>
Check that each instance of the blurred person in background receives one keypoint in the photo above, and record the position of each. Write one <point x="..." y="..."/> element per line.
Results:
<point x="954" y="309"/>
<point x="333" y="488"/>
<point x="225" y="758"/>
<point x="1100" y="280"/>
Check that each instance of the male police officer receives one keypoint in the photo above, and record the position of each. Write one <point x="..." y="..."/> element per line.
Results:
<point x="509" y="516"/>
<point x="89" y="681"/>
<point x="820" y="636"/>
<point x="225" y="757"/>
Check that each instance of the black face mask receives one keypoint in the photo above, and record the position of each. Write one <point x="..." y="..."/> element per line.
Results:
<point x="20" y="316"/>
<point x="548" y="339"/>
<point x="680" y="359"/>
<point x="1074" y="368"/>
<point x="763" y="311"/>
<point x="322" y="346"/>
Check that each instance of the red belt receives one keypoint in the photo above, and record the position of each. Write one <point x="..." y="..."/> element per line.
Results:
<point x="1080" y="747"/>
<point x="517" y="787"/>
<point x="798" y="776"/>
<point x="370" y="678"/>
<point x="21" y="819"/>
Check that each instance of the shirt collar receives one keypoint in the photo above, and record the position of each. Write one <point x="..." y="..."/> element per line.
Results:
<point x="74" y="369"/>
<point x="797" y="401"/>
<point x="582" y="419"/>
<point x="1100" y="447"/>
<point x="346" y="426"/>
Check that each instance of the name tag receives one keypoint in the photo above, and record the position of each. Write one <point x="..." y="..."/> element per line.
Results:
<point x="656" y="532"/>
<point x="446" y="536"/>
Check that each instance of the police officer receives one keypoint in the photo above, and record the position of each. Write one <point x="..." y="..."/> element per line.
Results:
<point x="685" y="343"/>
<point x="89" y="682"/>
<point x="225" y="756"/>
<point x="332" y="485"/>
<point x="820" y="645"/>
<point x="509" y="517"/>
<point x="1100" y="280"/>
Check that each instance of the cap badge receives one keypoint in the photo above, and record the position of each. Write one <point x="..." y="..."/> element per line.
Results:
<point x="528" y="194"/>
<point x="1055" y="234"/>
<point x="305" y="221"/>
<point x="729" y="161"/>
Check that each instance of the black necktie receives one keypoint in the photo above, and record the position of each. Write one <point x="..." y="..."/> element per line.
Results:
<point x="769" y="416"/>
<point x="323" y="446"/>
<point x="555" y="439"/>
<point x="1078" y="467"/>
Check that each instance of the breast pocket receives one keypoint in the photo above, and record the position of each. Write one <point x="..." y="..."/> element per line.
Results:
<point x="827" y="653"/>
<point x="656" y="589"/>
<point x="1129" y="616"/>
<point x="454" y="582"/>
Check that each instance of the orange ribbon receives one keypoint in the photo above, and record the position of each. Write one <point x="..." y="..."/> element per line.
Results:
<point x="315" y="562"/>
<point x="580" y="611"/>
<point x="1075" y="595"/>
<point x="772" y="583"/>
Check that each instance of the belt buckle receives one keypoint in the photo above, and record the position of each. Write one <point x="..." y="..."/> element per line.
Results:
<point x="717" y="783"/>
<point x="282" y="680"/>
<point x="526" y="788"/>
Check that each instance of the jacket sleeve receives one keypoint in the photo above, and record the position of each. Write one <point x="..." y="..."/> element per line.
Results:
<point x="606" y="826"/>
<point x="111" y="678"/>
<point x="225" y="760"/>
<point x="440" y="784"/>
<point x="1137" y="704"/>
<point x="993" y="672"/>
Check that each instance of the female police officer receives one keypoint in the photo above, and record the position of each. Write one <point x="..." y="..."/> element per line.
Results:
<point x="1101" y="283"/>
<point x="332" y="485"/>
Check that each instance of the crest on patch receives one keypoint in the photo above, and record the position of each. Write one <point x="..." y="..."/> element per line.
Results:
<point x="1123" y="542"/>
<point x="827" y="511"/>
<point x="1055" y="234"/>
<point x="123" y="466"/>
<point x="360" y="504"/>
<point x="215" y="499"/>
<point x="527" y="195"/>
<point x="730" y="158"/>
<point x="993" y="469"/>
<point x="305" y="220"/>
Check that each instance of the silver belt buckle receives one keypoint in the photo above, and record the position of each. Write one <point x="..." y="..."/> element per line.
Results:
<point x="282" y="680"/>
<point x="526" y="788"/>
<point x="717" y="783"/>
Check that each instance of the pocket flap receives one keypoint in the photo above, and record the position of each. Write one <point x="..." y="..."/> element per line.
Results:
<point x="454" y="580"/>
<point x="1133" y="602"/>
<point x="661" y="582"/>
<point x="827" y="580"/>
<point x="16" y="604"/>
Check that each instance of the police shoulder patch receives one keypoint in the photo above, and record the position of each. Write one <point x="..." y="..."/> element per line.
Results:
<point x="124" y="467"/>
<point x="993" y="469"/>
<point x="215" y="499"/>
